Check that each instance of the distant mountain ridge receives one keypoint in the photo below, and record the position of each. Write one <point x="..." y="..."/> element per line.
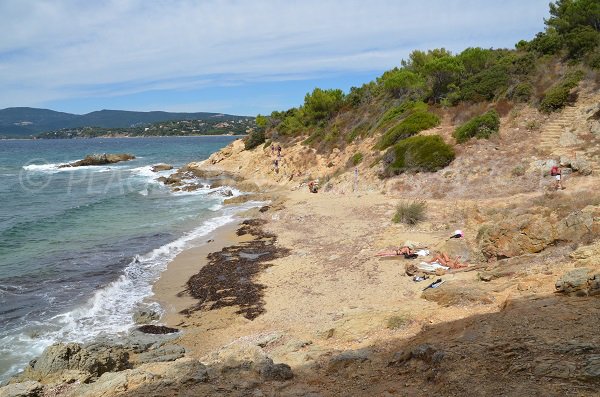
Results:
<point x="26" y="121"/>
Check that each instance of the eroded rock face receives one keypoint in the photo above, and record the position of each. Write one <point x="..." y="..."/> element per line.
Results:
<point x="579" y="282"/>
<point x="100" y="159"/>
<point x="528" y="234"/>
<point x="523" y="235"/>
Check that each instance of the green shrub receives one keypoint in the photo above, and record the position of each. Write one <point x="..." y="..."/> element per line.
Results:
<point x="397" y="112"/>
<point x="357" y="158"/>
<point x="522" y="92"/>
<point x="410" y="213"/>
<point x="478" y="127"/>
<point x="418" y="153"/>
<point x="411" y="125"/>
<point x="399" y="82"/>
<point x="486" y="84"/>
<point x="322" y="104"/>
<point x="581" y="41"/>
<point x="557" y="96"/>
<point x="254" y="139"/>
<point x="546" y="43"/>
<point x="524" y="64"/>
<point x="593" y="59"/>
<point x="291" y="125"/>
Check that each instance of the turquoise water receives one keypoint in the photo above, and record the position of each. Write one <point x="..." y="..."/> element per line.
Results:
<point x="81" y="247"/>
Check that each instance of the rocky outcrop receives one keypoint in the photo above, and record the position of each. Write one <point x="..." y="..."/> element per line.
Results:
<point x="23" y="389"/>
<point x="161" y="167"/>
<point x="579" y="282"/>
<point x="100" y="159"/>
<point x="514" y="237"/>
<point x="159" y="378"/>
<point x="68" y="362"/>
<point x="73" y="361"/>
<point x="532" y="233"/>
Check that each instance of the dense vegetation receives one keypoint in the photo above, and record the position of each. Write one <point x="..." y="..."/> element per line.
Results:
<point x="418" y="153"/>
<point x="167" y="128"/>
<point x="410" y="98"/>
<point x="478" y="127"/>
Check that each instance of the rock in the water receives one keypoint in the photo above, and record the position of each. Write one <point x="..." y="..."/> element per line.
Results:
<point x="23" y="389"/>
<point x="145" y="316"/>
<point x="100" y="159"/>
<point x="161" y="167"/>
<point x="453" y="293"/>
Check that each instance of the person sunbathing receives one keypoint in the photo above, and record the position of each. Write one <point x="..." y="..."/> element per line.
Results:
<point x="404" y="250"/>
<point x="443" y="259"/>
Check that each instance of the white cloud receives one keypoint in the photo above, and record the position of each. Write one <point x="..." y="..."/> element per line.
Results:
<point x="59" y="49"/>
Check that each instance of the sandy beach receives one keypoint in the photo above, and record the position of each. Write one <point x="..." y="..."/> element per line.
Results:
<point x="330" y="290"/>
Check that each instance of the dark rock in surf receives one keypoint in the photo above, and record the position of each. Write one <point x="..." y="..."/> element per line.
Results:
<point x="161" y="167"/>
<point x="100" y="159"/>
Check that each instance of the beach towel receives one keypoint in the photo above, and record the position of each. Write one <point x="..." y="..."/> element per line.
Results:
<point x="431" y="267"/>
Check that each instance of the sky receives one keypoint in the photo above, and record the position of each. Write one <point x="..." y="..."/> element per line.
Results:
<point x="240" y="57"/>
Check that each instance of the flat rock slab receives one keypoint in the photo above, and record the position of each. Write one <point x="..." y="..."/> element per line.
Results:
<point x="453" y="293"/>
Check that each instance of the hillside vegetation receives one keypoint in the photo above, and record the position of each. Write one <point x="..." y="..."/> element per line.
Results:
<point x="474" y="88"/>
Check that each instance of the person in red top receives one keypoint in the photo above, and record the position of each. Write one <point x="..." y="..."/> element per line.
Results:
<point x="557" y="174"/>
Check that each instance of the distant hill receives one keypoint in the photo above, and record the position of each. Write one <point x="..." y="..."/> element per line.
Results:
<point x="26" y="122"/>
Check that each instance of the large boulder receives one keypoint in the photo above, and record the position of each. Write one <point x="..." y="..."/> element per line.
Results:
<point x="457" y="247"/>
<point x="579" y="282"/>
<point x="62" y="357"/>
<point x="514" y="237"/>
<point x="161" y="167"/>
<point x="100" y="159"/>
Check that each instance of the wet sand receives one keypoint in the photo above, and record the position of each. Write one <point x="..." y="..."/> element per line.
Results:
<point x="169" y="290"/>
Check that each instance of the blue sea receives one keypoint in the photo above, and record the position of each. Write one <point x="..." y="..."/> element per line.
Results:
<point x="81" y="247"/>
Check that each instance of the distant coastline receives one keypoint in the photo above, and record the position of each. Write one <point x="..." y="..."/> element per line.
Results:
<point x="121" y="137"/>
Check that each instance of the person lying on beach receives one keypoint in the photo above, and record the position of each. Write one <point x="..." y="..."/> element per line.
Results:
<point x="443" y="259"/>
<point x="404" y="250"/>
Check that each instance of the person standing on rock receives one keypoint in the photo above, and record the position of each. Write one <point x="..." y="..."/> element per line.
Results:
<point x="556" y="172"/>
